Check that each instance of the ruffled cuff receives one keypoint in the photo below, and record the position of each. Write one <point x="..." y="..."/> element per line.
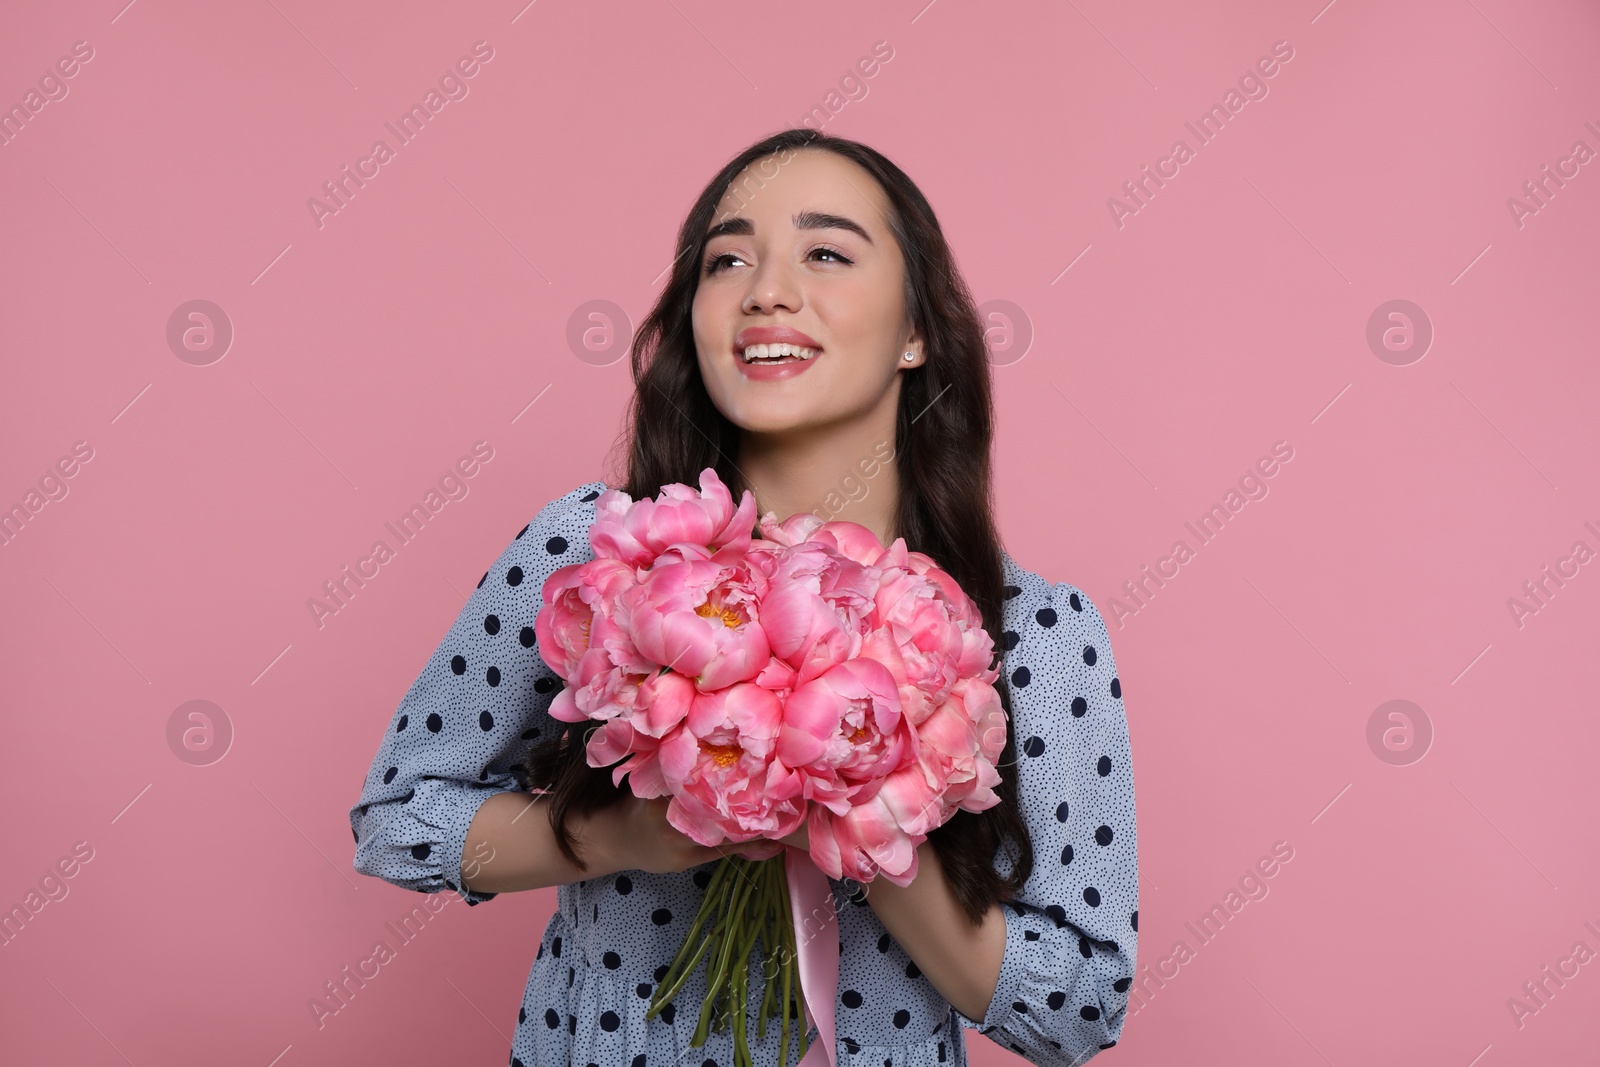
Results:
<point x="454" y="844"/>
<point x="1036" y="1010"/>
<point x="417" y="842"/>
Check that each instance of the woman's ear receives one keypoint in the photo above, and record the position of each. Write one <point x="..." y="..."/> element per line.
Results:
<point x="911" y="352"/>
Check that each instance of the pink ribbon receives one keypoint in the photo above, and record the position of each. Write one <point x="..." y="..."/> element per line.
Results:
<point x="809" y="896"/>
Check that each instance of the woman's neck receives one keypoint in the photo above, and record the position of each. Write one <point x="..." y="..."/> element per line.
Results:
<point x="849" y="474"/>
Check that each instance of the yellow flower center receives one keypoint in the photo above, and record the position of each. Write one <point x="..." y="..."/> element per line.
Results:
<point x="722" y="755"/>
<point x="729" y="617"/>
<point x="860" y="733"/>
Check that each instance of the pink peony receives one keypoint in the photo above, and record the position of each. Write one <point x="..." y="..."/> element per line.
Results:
<point x="817" y="607"/>
<point x="698" y="618"/>
<point x="843" y="729"/>
<point x="719" y="765"/>
<point x="636" y="532"/>
<point x="579" y="639"/>
<point x="812" y="674"/>
<point x="862" y="844"/>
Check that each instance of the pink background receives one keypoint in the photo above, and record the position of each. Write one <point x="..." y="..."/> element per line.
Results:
<point x="1229" y="313"/>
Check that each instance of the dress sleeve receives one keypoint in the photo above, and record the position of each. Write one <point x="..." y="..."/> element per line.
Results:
<point x="1072" y="933"/>
<point x="465" y="725"/>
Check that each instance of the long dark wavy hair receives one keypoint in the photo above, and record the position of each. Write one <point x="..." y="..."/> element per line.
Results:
<point x="943" y="432"/>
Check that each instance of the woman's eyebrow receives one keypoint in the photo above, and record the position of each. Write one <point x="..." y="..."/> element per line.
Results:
<point x="805" y="220"/>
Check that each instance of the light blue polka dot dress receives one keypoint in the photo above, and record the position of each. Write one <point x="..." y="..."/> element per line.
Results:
<point x="463" y="729"/>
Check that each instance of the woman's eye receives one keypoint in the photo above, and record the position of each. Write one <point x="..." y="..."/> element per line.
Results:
<point x="715" y="263"/>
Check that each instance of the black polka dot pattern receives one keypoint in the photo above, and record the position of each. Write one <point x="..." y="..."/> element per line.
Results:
<point x="483" y="700"/>
<point x="463" y="728"/>
<point x="1054" y="1002"/>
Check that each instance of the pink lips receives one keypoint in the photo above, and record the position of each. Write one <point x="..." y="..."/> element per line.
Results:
<point x="772" y="335"/>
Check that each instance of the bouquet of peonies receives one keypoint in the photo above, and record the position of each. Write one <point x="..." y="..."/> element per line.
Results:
<point x="810" y="674"/>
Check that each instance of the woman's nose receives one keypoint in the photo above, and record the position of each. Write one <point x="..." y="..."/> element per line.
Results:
<point x="772" y="286"/>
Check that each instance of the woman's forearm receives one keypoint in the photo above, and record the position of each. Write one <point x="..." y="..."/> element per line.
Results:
<point x="511" y="846"/>
<point x="961" y="960"/>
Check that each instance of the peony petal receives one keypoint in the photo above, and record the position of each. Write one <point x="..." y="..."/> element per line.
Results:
<point x="610" y="743"/>
<point x="644" y="774"/>
<point x="811" y="716"/>
<point x="691" y="818"/>
<point x="679" y="750"/>
<point x="824" y="846"/>
<point x="911" y="801"/>
<point x="753" y="711"/>
<point x="666" y="699"/>
<point x="877" y="834"/>
<point x="564" y="709"/>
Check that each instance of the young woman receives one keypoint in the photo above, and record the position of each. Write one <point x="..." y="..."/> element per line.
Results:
<point x="815" y="345"/>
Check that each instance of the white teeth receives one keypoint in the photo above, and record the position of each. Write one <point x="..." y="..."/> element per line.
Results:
<point x="758" y="352"/>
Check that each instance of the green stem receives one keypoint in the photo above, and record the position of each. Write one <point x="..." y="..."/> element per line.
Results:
<point x="741" y="1051"/>
<point x="769" y="898"/>
<point x="728" y="926"/>
<point x="708" y="903"/>
<point x="685" y="962"/>
<point x="749" y="927"/>
<point x="747" y="943"/>
<point x="714" y="950"/>
<point x="714" y="939"/>
<point x="665" y="992"/>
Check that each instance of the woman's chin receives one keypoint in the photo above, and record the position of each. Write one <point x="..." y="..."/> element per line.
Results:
<point x="771" y="420"/>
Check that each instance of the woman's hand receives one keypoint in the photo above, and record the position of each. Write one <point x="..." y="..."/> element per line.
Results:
<point x="634" y="834"/>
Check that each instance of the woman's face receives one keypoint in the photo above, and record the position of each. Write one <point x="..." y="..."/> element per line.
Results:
<point x="803" y="246"/>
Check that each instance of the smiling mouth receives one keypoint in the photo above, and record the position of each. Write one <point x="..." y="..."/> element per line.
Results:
<point x="763" y="355"/>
